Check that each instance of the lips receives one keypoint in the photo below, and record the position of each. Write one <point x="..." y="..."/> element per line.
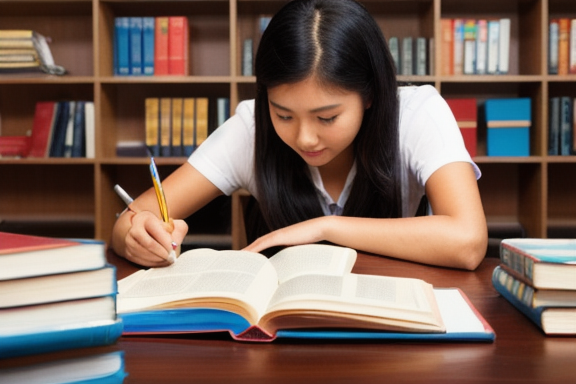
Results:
<point x="312" y="153"/>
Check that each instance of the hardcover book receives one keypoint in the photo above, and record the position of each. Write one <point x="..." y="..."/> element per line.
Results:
<point x="553" y="320"/>
<point x="42" y="128"/>
<point x="178" y="45"/>
<point x="301" y="291"/>
<point x="542" y="263"/>
<point x="508" y="122"/>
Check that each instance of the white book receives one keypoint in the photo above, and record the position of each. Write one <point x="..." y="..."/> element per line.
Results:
<point x="458" y="46"/>
<point x="553" y="33"/>
<point x="481" y="46"/>
<point x="572" y="66"/>
<point x="90" y="135"/>
<point x="493" y="37"/>
<point x="504" y="47"/>
<point x="70" y="130"/>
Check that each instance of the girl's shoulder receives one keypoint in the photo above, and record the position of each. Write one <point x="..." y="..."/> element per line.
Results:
<point x="416" y="94"/>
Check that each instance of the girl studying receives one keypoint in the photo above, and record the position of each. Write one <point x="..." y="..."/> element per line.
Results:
<point x="332" y="150"/>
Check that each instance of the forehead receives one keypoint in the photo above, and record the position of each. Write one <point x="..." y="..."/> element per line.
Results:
<point x="310" y="92"/>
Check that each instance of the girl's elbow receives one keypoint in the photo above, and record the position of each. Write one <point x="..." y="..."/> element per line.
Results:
<point x="473" y="250"/>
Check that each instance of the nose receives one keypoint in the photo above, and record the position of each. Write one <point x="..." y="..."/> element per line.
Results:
<point x="307" y="136"/>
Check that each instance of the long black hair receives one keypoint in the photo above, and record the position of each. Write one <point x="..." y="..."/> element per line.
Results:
<point x="340" y="44"/>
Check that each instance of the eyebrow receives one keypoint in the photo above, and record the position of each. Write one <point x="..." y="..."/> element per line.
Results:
<point x="315" y="110"/>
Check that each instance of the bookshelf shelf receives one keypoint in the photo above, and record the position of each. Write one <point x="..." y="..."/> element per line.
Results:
<point x="532" y="191"/>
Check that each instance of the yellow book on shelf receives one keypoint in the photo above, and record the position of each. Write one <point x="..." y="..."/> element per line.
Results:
<point x="177" y="106"/>
<point x="165" y="126"/>
<point x="188" y="125"/>
<point x="152" y="125"/>
<point x="201" y="120"/>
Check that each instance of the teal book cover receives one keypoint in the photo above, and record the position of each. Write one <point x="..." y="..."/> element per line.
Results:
<point x="508" y="124"/>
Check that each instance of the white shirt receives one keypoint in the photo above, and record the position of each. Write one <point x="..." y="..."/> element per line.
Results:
<point x="429" y="138"/>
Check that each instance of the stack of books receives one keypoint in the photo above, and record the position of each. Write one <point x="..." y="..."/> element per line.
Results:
<point x="151" y="46"/>
<point x="55" y="294"/>
<point x="508" y="124"/>
<point x="537" y="276"/>
<point x="26" y="51"/>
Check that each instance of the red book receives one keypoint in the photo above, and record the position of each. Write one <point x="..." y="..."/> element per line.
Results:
<point x="466" y="114"/>
<point x="178" y="45"/>
<point x="14" y="146"/>
<point x="27" y="256"/>
<point x="161" y="46"/>
<point x="42" y="129"/>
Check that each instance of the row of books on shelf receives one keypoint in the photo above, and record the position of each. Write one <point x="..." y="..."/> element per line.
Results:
<point x="249" y="46"/>
<point x="537" y="277"/>
<point x="55" y="294"/>
<point x="176" y="126"/>
<point x="26" y="51"/>
<point x="412" y="55"/>
<point x="562" y="46"/>
<point x="60" y="129"/>
<point x="562" y="126"/>
<point x="507" y="122"/>
<point x="151" y="45"/>
<point x="475" y="47"/>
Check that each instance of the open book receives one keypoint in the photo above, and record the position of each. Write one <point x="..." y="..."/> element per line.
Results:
<point x="253" y="297"/>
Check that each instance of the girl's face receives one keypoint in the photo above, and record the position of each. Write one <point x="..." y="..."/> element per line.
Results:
<point x="317" y="122"/>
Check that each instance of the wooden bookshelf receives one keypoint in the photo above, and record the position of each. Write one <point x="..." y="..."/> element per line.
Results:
<point x="537" y="191"/>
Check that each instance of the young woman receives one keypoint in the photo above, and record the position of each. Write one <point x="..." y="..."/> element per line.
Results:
<point x="332" y="149"/>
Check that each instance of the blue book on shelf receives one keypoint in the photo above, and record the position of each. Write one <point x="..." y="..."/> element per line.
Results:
<point x="58" y="140"/>
<point x="508" y="127"/>
<point x="148" y="24"/>
<point x="136" y="46"/>
<point x="122" y="45"/>
<point x="566" y="125"/>
<point x="79" y="138"/>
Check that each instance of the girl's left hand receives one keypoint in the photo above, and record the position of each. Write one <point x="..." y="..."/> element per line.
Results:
<point x="306" y="232"/>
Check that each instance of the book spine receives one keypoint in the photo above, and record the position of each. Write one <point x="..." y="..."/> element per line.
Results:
<point x="148" y="31"/>
<point x="458" y="46"/>
<point x="563" y="45"/>
<point x="69" y="141"/>
<point x="554" y="127"/>
<point x="566" y="126"/>
<point x="481" y="46"/>
<point x="178" y="42"/>
<point x="493" y="38"/>
<point x="122" y="49"/>
<point x="165" y="126"/>
<point x="395" y="52"/>
<point x="59" y="130"/>
<point x="247" y="57"/>
<point x="421" y="56"/>
<point x="44" y="115"/>
<point x="90" y="134"/>
<point x="447" y="29"/>
<point x="553" y="31"/>
<point x="177" y="105"/>
<point x="136" y="30"/>
<point x="500" y="284"/>
<point x="470" y="31"/>
<point x="504" y="47"/>
<point x="202" y="114"/>
<point x="188" y="125"/>
<point x="79" y="141"/>
<point x="518" y="263"/>
<point x="161" y="46"/>
<point x="572" y="66"/>
<point x="153" y="125"/>
<point x="407" y="60"/>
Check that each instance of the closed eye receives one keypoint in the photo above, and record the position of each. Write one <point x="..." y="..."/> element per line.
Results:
<point x="283" y="117"/>
<point x="328" y="119"/>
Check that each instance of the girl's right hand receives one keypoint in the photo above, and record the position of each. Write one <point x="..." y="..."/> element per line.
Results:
<point x="152" y="243"/>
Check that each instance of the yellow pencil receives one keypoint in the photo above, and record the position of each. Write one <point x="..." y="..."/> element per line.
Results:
<point x="159" y="191"/>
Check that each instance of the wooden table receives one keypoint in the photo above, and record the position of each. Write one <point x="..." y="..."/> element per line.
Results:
<point x="520" y="354"/>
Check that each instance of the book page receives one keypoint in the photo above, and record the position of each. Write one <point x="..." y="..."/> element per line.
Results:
<point x="313" y="259"/>
<point x="202" y="274"/>
<point x="456" y="312"/>
<point x="404" y="299"/>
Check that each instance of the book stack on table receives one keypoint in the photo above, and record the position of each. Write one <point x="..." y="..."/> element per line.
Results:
<point x="55" y="294"/>
<point x="537" y="276"/>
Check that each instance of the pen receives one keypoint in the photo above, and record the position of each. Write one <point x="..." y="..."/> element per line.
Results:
<point x="123" y="195"/>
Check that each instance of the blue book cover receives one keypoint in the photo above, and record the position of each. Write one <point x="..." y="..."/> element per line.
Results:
<point x="508" y="122"/>
<point x="122" y="45"/>
<point x="566" y="124"/>
<point x="136" y="57"/>
<point x="554" y="126"/>
<point x="79" y="336"/>
<point x="58" y="141"/>
<point x="79" y="131"/>
<point x="148" y="25"/>
<point x="560" y="251"/>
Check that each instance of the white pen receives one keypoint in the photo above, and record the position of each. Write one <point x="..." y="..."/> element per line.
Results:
<point x="123" y="195"/>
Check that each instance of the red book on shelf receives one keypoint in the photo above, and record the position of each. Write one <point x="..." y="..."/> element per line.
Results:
<point x="466" y="114"/>
<point x="14" y="146"/>
<point x="161" y="46"/>
<point x="563" y="46"/>
<point x="178" y="43"/>
<point x="41" y="137"/>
